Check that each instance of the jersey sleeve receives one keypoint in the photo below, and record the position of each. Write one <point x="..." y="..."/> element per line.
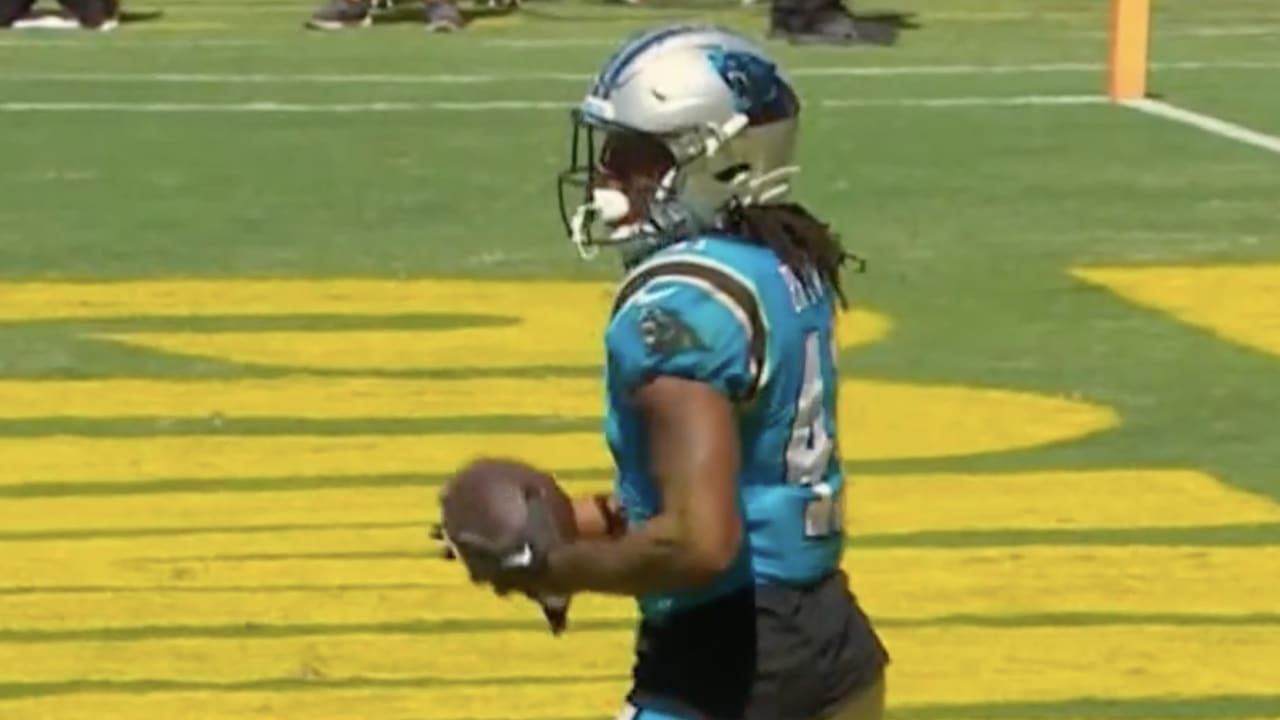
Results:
<point x="688" y="327"/>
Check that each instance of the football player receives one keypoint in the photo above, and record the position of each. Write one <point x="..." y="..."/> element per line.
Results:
<point x="727" y="518"/>
<point x="438" y="15"/>
<point x="101" y="15"/>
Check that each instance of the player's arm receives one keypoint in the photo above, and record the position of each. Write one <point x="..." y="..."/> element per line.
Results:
<point x="693" y="449"/>
<point x="598" y="516"/>
<point x="685" y="350"/>
<point x="595" y="516"/>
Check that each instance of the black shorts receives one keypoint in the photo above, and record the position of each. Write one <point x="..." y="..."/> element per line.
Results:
<point x="764" y="653"/>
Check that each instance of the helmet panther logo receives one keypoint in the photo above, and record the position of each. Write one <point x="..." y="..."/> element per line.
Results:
<point x="753" y="79"/>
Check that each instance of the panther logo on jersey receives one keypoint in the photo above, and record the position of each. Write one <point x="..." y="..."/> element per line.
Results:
<point x="665" y="333"/>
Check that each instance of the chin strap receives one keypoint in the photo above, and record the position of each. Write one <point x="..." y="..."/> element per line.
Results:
<point x="588" y="225"/>
<point x="609" y="205"/>
<point x="580" y="227"/>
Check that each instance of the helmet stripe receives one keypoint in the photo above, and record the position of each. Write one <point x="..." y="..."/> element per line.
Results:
<point x="630" y="51"/>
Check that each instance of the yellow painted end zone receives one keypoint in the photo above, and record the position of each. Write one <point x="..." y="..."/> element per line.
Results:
<point x="1237" y="303"/>
<point x="172" y="605"/>
<point x="934" y="666"/>
<point x="976" y="581"/>
<point x="547" y="335"/>
<point x="878" y="419"/>
<point x="1064" y="500"/>
<point x="275" y="298"/>
<point x="878" y="504"/>
<point x="552" y="322"/>
<point x="208" y="457"/>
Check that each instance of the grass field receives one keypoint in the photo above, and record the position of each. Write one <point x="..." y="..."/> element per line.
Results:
<point x="260" y="289"/>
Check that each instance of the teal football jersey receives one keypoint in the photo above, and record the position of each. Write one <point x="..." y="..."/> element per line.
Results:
<point x="729" y="314"/>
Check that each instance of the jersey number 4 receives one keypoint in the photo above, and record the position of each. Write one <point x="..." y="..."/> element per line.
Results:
<point x="811" y="447"/>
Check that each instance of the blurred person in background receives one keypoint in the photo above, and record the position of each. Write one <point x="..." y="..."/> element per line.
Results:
<point x="824" y="22"/>
<point x="811" y="21"/>
<point x="87" y="14"/>
<point x="438" y="15"/>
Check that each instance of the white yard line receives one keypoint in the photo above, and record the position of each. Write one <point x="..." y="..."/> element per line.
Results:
<point x="302" y="79"/>
<point x="975" y="101"/>
<point x="1017" y="69"/>
<point x="1264" y="30"/>
<point x="1223" y="31"/>
<point x="502" y="105"/>
<point x="116" y="42"/>
<point x="579" y="77"/>
<point x="550" y="43"/>
<point x="242" y="107"/>
<point x="1207" y="123"/>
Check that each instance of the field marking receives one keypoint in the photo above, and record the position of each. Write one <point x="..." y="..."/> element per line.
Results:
<point x="977" y="665"/>
<point x="61" y="459"/>
<point x="281" y="107"/>
<point x="1223" y="31"/>
<point x="506" y="105"/>
<point x="304" y="396"/>
<point x="880" y="420"/>
<point x="170" y="605"/>
<point x="879" y="504"/>
<point x="409" y="700"/>
<point x="116" y="42"/>
<point x="316" y="540"/>
<point x="1192" y="31"/>
<point x="455" y="348"/>
<point x="917" y="421"/>
<point x="1208" y="123"/>
<point x="941" y="664"/>
<point x="578" y="77"/>
<point x="454" y="656"/>
<point x="935" y="666"/>
<point x="909" y="420"/>
<point x="1050" y="500"/>
<point x="889" y="504"/>
<point x="354" y="297"/>
<point x="305" y="78"/>
<point x="42" y="587"/>
<point x="520" y="313"/>
<point x="976" y="101"/>
<point x="549" y="43"/>
<point x="1236" y="303"/>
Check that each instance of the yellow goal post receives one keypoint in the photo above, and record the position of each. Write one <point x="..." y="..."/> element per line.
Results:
<point x="1130" y="49"/>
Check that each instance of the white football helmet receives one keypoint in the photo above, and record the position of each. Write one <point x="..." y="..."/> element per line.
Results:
<point x="722" y="110"/>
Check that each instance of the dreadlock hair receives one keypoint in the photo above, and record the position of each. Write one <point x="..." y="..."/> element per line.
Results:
<point x="801" y="241"/>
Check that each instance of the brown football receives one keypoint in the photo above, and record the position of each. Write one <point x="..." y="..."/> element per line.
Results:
<point x="490" y="498"/>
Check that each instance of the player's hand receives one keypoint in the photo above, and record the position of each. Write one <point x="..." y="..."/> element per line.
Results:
<point x="444" y="549"/>
<point x="555" y="608"/>
<point x="507" y="570"/>
<point x="521" y="570"/>
<point x="528" y="582"/>
<point x="502" y="519"/>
